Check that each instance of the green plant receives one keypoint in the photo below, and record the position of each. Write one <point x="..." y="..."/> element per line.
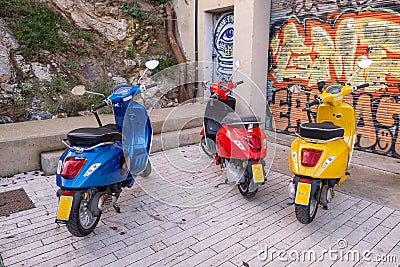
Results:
<point x="34" y="25"/>
<point x="70" y="65"/>
<point x="159" y="2"/>
<point x="164" y="64"/>
<point x="58" y="85"/>
<point x="83" y="35"/>
<point x="132" y="11"/>
<point x="130" y="52"/>
<point x="81" y="51"/>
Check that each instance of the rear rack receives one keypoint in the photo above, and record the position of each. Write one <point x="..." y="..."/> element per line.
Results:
<point x="317" y="141"/>
<point x="80" y="150"/>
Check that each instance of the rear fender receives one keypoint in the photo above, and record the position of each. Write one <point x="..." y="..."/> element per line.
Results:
<point x="108" y="172"/>
<point x="337" y="149"/>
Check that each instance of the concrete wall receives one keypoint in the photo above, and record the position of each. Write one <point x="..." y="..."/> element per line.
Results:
<point x="251" y="24"/>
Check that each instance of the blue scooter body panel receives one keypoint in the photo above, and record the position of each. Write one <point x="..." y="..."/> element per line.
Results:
<point x="137" y="133"/>
<point x="109" y="156"/>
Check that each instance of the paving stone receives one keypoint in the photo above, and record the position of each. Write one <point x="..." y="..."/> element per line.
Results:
<point x="230" y="231"/>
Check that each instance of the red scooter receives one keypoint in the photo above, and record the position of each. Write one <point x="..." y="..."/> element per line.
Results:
<point x="236" y="143"/>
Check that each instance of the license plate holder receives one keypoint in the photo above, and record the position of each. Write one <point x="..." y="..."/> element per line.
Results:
<point x="258" y="175"/>
<point x="303" y="194"/>
<point x="64" y="208"/>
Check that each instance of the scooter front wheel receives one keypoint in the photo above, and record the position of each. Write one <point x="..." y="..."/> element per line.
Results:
<point x="82" y="221"/>
<point x="210" y="150"/>
<point x="306" y="214"/>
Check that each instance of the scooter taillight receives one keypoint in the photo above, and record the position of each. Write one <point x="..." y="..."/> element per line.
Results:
<point x="254" y="142"/>
<point x="310" y="157"/>
<point x="71" y="167"/>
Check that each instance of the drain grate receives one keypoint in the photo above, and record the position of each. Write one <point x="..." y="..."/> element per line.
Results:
<point x="14" y="201"/>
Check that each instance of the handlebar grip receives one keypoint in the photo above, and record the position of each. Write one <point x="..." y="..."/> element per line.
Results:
<point x="151" y="85"/>
<point x="239" y="82"/>
<point x="315" y="102"/>
<point x="362" y="85"/>
<point x="103" y="104"/>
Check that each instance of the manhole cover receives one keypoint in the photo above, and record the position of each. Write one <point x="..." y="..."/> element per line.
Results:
<point x="14" y="201"/>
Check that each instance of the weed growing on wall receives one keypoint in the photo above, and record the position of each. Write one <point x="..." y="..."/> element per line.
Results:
<point x="132" y="11"/>
<point x="37" y="29"/>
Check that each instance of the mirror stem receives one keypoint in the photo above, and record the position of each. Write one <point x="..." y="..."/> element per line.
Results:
<point x="352" y="76"/>
<point x="94" y="93"/>
<point x="142" y="75"/>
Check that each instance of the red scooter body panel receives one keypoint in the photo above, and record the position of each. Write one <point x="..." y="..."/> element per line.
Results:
<point x="232" y="142"/>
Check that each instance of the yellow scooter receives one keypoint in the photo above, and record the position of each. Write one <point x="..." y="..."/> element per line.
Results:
<point x="321" y="152"/>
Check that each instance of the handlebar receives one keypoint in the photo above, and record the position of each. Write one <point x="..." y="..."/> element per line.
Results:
<point x="239" y="82"/>
<point x="355" y="88"/>
<point x="103" y="104"/>
<point x="363" y="85"/>
<point x="151" y="85"/>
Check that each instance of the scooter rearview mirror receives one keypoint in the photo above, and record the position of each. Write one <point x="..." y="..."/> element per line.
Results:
<point x="78" y="90"/>
<point x="238" y="64"/>
<point x="152" y="64"/>
<point x="365" y="63"/>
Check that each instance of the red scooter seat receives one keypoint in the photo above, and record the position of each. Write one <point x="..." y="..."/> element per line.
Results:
<point x="233" y="118"/>
<point x="93" y="136"/>
<point x="323" y="130"/>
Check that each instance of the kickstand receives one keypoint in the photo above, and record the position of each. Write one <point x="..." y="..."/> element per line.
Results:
<point x="226" y="181"/>
<point x="290" y="203"/>
<point x="117" y="208"/>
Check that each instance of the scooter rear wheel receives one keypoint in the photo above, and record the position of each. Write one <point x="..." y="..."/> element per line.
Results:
<point x="244" y="188"/>
<point x="82" y="221"/>
<point x="306" y="214"/>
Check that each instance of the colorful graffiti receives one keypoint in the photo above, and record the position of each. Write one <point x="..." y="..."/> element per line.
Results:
<point x="303" y="53"/>
<point x="223" y="46"/>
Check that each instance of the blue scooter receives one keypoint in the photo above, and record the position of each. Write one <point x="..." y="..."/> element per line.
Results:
<point x="100" y="161"/>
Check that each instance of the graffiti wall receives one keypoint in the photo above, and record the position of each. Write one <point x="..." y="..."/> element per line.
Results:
<point x="314" y="41"/>
<point x="223" y="46"/>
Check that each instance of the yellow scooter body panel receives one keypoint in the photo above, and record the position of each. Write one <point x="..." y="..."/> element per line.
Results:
<point x="335" y="169"/>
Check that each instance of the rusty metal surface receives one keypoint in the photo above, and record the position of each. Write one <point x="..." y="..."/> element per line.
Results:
<point x="14" y="201"/>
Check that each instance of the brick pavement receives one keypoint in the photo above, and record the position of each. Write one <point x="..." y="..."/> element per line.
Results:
<point x="204" y="226"/>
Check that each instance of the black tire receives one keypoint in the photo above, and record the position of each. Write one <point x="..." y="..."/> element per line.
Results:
<point x="81" y="220"/>
<point x="245" y="186"/>
<point x="147" y="170"/>
<point x="205" y="149"/>
<point x="306" y="214"/>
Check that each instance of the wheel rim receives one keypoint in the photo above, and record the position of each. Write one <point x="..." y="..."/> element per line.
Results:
<point x="244" y="186"/>
<point x="210" y="150"/>
<point x="86" y="217"/>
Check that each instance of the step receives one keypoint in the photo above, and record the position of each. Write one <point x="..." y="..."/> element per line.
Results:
<point x="161" y="141"/>
<point x="21" y="144"/>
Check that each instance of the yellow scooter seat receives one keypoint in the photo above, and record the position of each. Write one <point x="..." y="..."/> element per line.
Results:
<point x="322" y="130"/>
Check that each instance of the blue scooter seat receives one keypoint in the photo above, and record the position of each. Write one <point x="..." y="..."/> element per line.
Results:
<point x="323" y="130"/>
<point x="93" y="136"/>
